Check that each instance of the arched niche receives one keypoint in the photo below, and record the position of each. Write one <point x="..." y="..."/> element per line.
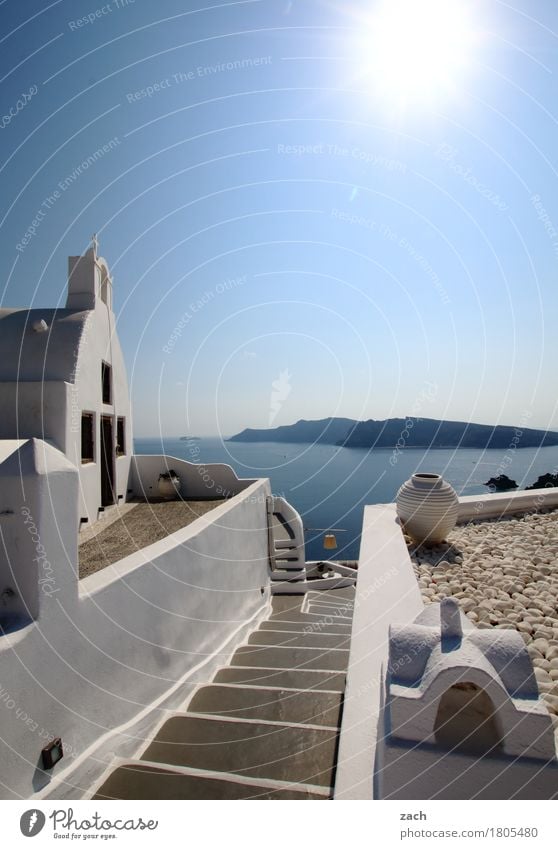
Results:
<point x="467" y="721"/>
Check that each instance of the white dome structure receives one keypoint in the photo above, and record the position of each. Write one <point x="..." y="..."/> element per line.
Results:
<point x="464" y="689"/>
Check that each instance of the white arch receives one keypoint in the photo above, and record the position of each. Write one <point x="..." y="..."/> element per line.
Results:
<point x="525" y="727"/>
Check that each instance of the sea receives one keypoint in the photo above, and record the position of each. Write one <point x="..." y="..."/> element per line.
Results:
<point x="330" y="485"/>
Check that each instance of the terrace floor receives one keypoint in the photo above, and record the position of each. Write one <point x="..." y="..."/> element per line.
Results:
<point x="132" y="527"/>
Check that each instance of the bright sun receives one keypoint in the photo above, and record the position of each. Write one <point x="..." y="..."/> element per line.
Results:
<point x="417" y="49"/>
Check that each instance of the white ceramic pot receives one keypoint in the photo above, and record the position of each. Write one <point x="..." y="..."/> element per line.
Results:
<point x="168" y="487"/>
<point x="427" y="506"/>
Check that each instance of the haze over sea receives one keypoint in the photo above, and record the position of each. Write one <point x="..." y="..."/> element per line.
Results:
<point x="330" y="486"/>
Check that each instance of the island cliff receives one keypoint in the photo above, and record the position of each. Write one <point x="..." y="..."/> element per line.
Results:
<point x="410" y="432"/>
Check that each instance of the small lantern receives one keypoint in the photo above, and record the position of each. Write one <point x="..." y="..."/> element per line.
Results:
<point x="52" y="753"/>
<point x="330" y="541"/>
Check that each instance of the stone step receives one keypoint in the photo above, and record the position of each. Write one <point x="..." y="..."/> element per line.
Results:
<point x="287" y="657"/>
<point x="302" y="627"/>
<point x="138" y="780"/>
<point x="311" y="619"/>
<point x="309" y="639"/>
<point x="300" y="679"/>
<point x="268" y="725"/>
<point x="277" y="705"/>
<point x="283" y="603"/>
<point x="341" y="600"/>
<point x="345" y="593"/>
<point x="341" y="608"/>
<point x="329" y="599"/>
<point x="338" y="613"/>
<point x="293" y="753"/>
<point x="301" y="587"/>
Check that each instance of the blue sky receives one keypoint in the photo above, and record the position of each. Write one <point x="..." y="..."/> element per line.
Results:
<point x="288" y="238"/>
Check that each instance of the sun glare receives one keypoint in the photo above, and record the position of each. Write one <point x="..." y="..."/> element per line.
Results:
<point x="418" y="49"/>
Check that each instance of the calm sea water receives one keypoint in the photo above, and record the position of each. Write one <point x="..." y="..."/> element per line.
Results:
<point x="329" y="486"/>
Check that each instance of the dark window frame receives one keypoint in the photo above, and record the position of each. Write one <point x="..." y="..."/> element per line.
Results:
<point x="88" y="440"/>
<point x="106" y="382"/>
<point x="120" y="436"/>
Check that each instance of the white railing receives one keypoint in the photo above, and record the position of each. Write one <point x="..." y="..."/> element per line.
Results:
<point x="290" y="573"/>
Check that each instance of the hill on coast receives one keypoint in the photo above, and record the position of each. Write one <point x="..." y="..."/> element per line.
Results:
<point x="410" y="432"/>
<point x="325" y="431"/>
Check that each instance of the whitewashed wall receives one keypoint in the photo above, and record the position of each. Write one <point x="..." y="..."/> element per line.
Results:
<point x="215" y="480"/>
<point x="370" y="767"/>
<point x="478" y="507"/>
<point x="48" y="378"/>
<point x="386" y="592"/>
<point x="38" y="549"/>
<point x="103" y="649"/>
<point x="34" y="409"/>
<point x="99" y="342"/>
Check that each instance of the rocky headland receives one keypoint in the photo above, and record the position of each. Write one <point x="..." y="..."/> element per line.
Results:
<point x="410" y="432"/>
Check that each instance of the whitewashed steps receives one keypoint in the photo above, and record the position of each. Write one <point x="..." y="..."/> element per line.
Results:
<point x="267" y="727"/>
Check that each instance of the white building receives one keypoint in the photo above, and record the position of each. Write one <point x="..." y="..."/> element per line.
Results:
<point x="63" y="380"/>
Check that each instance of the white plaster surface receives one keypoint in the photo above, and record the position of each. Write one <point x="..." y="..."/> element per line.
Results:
<point x="48" y="379"/>
<point x="426" y="772"/>
<point x="424" y="663"/>
<point x="386" y="589"/>
<point x="494" y="505"/>
<point x="214" y="480"/>
<point x="8" y="446"/>
<point x="97" y="658"/>
<point x="371" y="765"/>
<point x="38" y="529"/>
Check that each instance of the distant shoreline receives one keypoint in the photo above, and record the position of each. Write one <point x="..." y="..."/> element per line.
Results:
<point x="398" y="434"/>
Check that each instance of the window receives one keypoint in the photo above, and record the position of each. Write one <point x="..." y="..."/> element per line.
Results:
<point x="120" y="436"/>
<point x="87" y="438"/>
<point x="106" y="378"/>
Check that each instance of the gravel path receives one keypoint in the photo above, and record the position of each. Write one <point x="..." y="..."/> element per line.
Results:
<point x="143" y="525"/>
<point x="505" y="575"/>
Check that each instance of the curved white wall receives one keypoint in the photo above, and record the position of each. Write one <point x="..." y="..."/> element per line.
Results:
<point x="103" y="649"/>
<point x="215" y="480"/>
<point x="34" y="409"/>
